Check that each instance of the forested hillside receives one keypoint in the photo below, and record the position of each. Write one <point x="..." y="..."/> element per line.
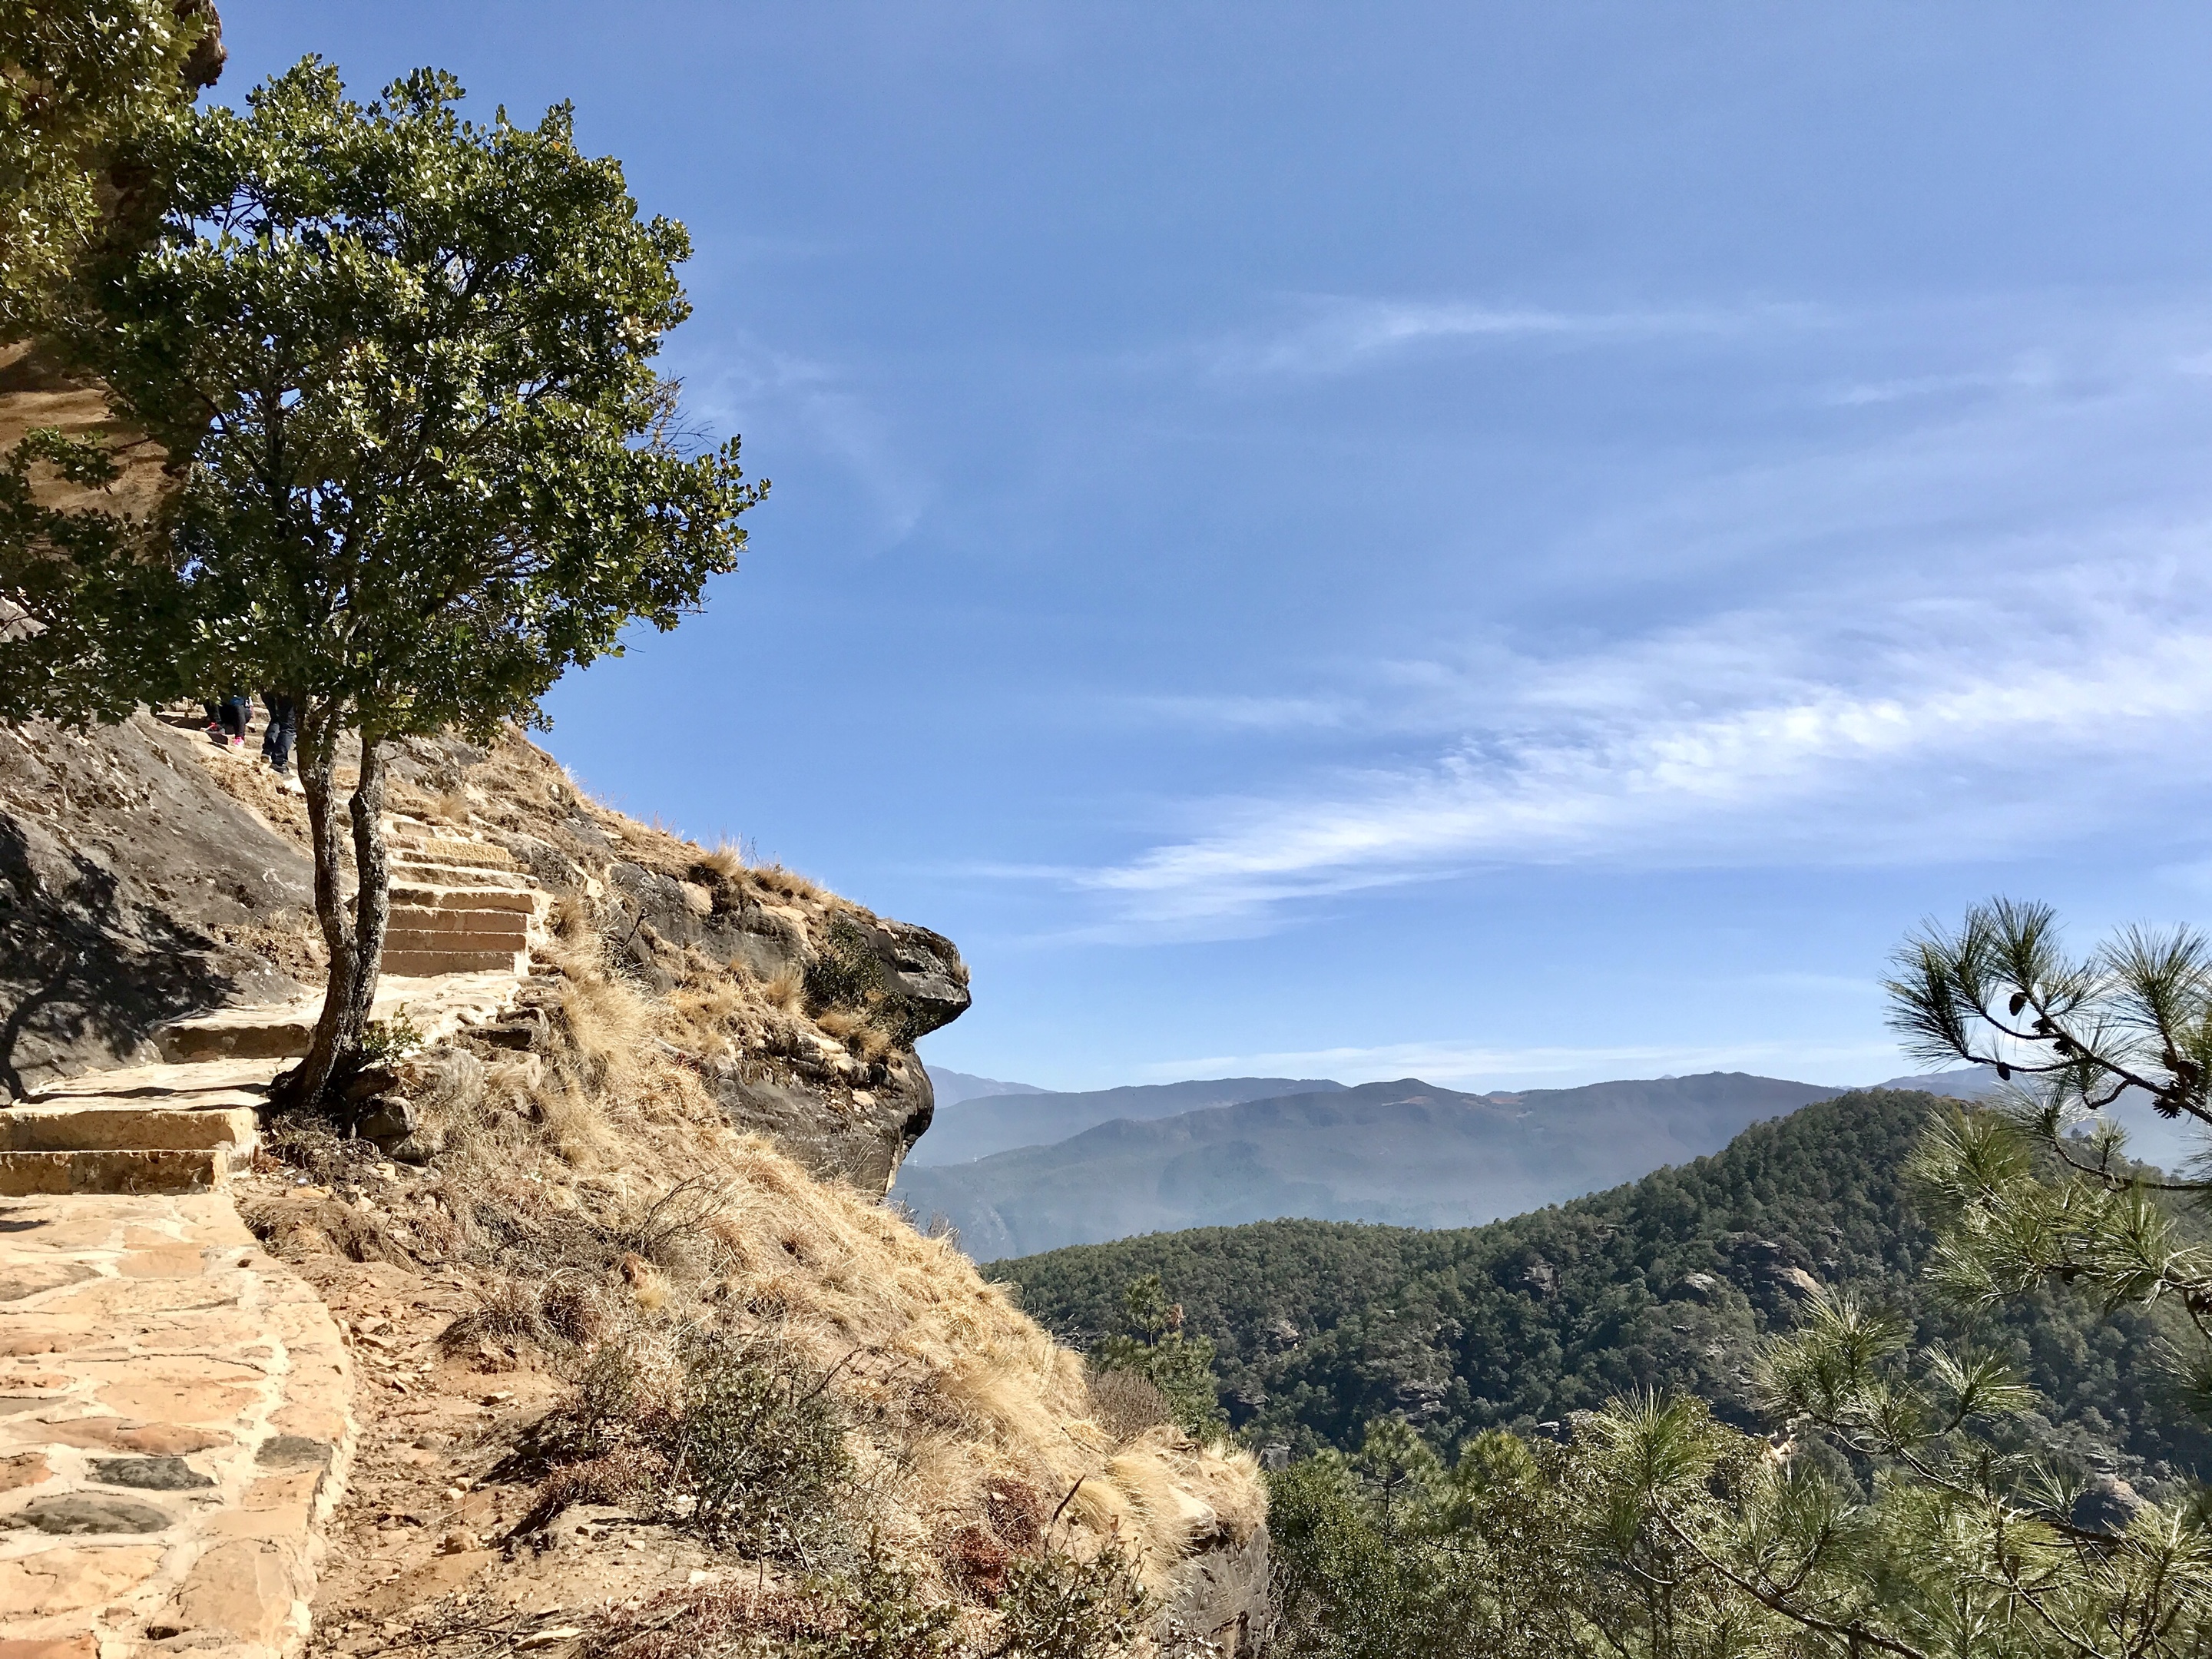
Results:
<point x="1406" y="1153"/>
<point x="1665" y="1283"/>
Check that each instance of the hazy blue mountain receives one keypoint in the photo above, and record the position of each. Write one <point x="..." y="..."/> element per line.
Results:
<point x="1406" y="1153"/>
<point x="1959" y="1082"/>
<point x="954" y="1087"/>
<point x="979" y="1125"/>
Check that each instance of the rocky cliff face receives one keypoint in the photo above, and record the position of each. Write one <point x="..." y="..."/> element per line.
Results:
<point x="716" y="1085"/>
<point x="881" y="1106"/>
<point x="132" y="890"/>
<point x="143" y="876"/>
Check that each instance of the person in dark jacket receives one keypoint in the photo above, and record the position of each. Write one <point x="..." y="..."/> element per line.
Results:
<point x="283" y="725"/>
<point x="227" y="720"/>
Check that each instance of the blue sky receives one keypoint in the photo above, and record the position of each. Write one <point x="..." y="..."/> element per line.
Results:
<point x="1512" y="545"/>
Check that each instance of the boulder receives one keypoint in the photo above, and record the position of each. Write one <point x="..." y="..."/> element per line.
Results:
<point x="2106" y="1505"/>
<point x="864" y="1144"/>
<point x="131" y="887"/>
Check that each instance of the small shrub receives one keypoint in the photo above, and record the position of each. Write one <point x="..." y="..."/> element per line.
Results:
<point x="1154" y="1344"/>
<point x="387" y="1040"/>
<point x="1125" y="1403"/>
<point x="760" y="1441"/>
<point x="1058" y="1607"/>
<point x="875" y="1613"/>
<point x="845" y="972"/>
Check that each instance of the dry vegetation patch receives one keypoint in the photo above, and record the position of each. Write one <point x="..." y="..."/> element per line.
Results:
<point x="631" y="1374"/>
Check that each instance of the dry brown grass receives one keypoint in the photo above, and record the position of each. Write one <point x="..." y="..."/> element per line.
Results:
<point x="859" y="1030"/>
<point x="1126" y="1404"/>
<point x="788" y="884"/>
<point x="786" y="992"/>
<point x="599" y="1195"/>
<point x="724" y="860"/>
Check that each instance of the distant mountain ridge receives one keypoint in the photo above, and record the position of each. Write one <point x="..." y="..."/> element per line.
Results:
<point x="1668" y="1282"/>
<point x="1407" y="1153"/>
<point x="954" y="1087"/>
<point x="1011" y="1115"/>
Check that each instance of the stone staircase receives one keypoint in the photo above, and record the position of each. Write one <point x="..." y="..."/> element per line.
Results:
<point x="463" y="921"/>
<point x="175" y="1407"/>
<point x="457" y="907"/>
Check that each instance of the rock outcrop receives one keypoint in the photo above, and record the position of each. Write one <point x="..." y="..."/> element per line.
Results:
<point x="143" y="877"/>
<point x="133" y="890"/>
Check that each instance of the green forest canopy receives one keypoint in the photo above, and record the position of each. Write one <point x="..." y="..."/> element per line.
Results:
<point x="1667" y="1283"/>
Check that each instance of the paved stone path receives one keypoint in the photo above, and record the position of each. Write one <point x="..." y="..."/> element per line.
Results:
<point x="175" y="1405"/>
<point x="174" y="1428"/>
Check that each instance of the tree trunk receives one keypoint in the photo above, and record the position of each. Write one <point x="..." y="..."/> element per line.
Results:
<point x="371" y="904"/>
<point x="320" y="724"/>
<point x="356" y="941"/>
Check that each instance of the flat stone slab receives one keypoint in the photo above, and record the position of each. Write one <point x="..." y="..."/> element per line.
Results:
<point x="455" y="963"/>
<point x="430" y="895"/>
<point x="57" y="1174"/>
<point x="425" y="872"/>
<point x="161" y="1108"/>
<point x="175" y="1427"/>
<point x="437" y="1005"/>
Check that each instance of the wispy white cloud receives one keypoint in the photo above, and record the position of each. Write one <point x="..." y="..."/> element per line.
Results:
<point x="1943" y="754"/>
<point x="2030" y="373"/>
<point x="757" y="388"/>
<point x="1978" y="633"/>
<point x="1336" y="335"/>
<point x="1228" y="712"/>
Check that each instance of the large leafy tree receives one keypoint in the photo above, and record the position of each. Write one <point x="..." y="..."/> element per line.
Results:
<point x="81" y="82"/>
<point x="402" y="364"/>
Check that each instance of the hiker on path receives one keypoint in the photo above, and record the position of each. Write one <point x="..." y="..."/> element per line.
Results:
<point x="229" y="717"/>
<point x="283" y="727"/>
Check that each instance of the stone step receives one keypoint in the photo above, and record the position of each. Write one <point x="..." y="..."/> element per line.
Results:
<point x="475" y="925"/>
<point x="431" y="896"/>
<point x="175" y="1170"/>
<point x="466" y="853"/>
<point x="413" y="941"/>
<point x="429" y="872"/>
<point x="67" y="1125"/>
<point x="279" y="1033"/>
<point x="435" y="1004"/>
<point x="426" y="963"/>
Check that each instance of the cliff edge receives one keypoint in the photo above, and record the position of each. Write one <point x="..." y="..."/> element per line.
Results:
<point x="646" y="1363"/>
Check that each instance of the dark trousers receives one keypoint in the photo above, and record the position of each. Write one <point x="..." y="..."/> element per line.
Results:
<point x="231" y="714"/>
<point x="283" y="725"/>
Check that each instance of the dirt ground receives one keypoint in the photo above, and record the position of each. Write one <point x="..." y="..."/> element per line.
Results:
<point x="422" y="1560"/>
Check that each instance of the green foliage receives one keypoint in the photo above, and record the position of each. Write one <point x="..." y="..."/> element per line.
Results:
<point x="735" y="1436"/>
<point x="82" y="83"/>
<point x="1323" y="1327"/>
<point x="878" y="1614"/>
<point x="1056" y="1607"/>
<point x="405" y="360"/>
<point x="1154" y="1344"/>
<point x="847" y="972"/>
<point x="389" y="1039"/>
<point x="1519" y="1551"/>
<point x="402" y="364"/>
<point x="1910" y="1503"/>
<point x="757" y="1439"/>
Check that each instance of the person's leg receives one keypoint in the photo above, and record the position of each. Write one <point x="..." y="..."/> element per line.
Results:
<point x="233" y="719"/>
<point x="214" y="719"/>
<point x="283" y="723"/>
